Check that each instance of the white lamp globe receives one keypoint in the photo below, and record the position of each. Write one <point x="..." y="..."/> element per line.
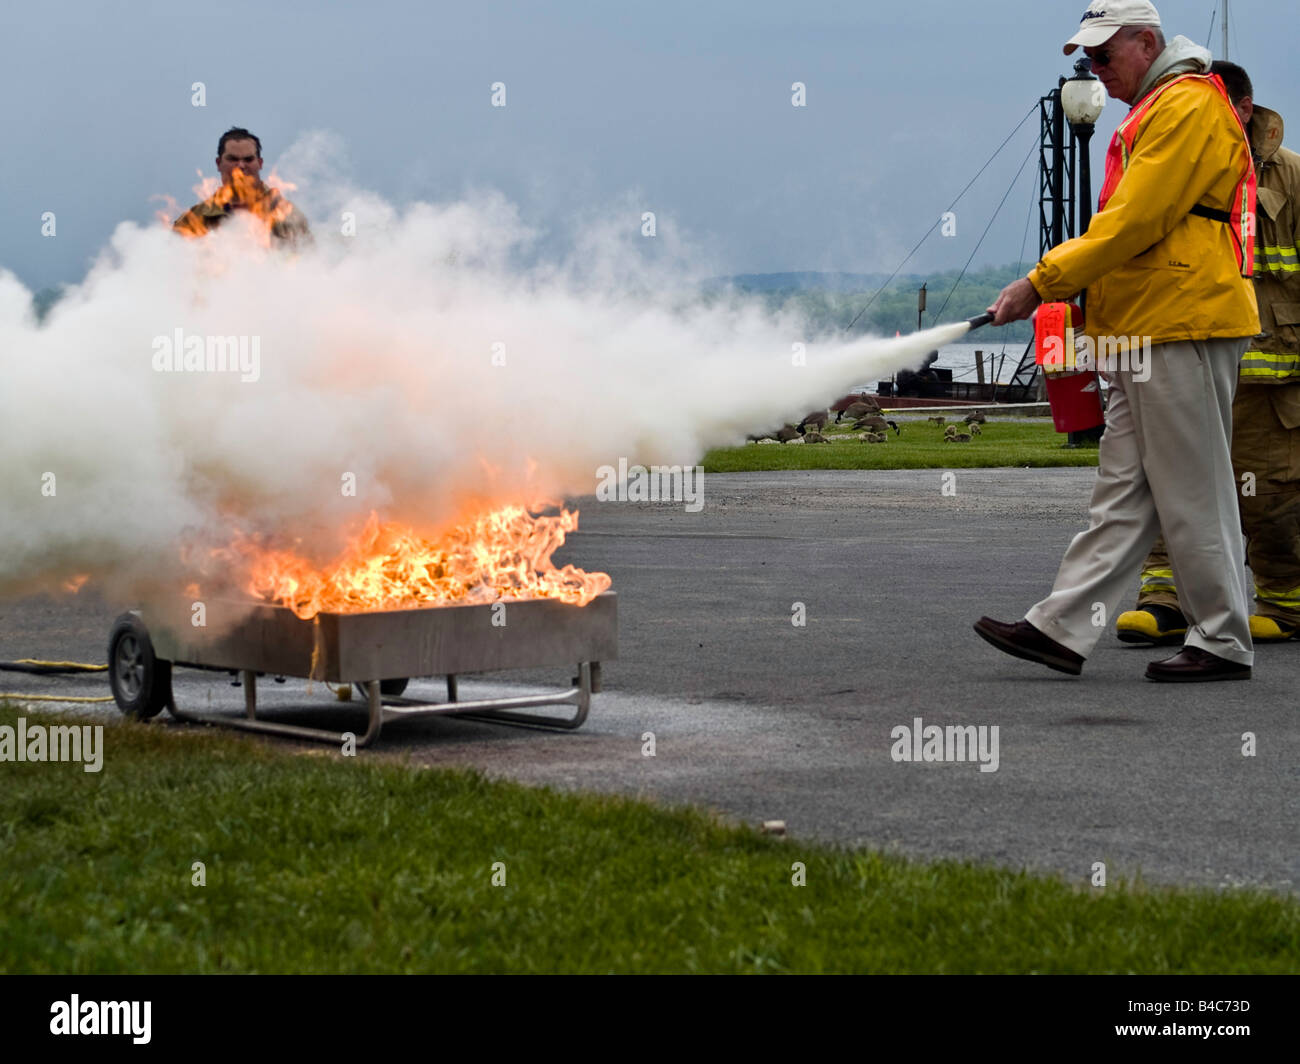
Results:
<point x="1083" y="100"/>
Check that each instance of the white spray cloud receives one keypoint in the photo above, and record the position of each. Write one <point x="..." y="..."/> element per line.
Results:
<point x="427" y="356"/>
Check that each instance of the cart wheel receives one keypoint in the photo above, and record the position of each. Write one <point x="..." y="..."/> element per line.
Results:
<point x="393" y="687"/>
<point x="141" y="682"/>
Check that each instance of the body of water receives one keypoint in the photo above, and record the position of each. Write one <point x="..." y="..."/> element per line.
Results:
<point x="960" y="358"/>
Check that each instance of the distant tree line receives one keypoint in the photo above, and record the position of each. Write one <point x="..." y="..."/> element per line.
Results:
<point x="830" y="301"/>
<point x="833" y="306"/>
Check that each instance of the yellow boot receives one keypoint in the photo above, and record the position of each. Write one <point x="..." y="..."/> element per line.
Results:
<point x="1157" y="626"/>
<point x="1269" y="630"/>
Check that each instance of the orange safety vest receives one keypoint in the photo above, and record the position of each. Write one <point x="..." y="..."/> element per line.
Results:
<point x="1240" y="219"/>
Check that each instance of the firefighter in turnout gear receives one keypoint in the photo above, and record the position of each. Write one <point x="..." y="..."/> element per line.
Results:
<point x="1265" y="412"/>
<point x="239" y="159"/>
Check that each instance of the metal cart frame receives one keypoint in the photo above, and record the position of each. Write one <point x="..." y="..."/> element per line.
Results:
<point x="366" y="649"/>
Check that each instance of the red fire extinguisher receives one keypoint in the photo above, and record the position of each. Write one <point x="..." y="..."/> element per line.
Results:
<point x="1073" y="394"/>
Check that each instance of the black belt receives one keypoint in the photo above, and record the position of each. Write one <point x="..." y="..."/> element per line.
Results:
<point x="1213" y="213"/>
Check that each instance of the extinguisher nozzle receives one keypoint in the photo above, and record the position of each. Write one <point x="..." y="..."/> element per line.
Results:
<point x="983" y="319"/>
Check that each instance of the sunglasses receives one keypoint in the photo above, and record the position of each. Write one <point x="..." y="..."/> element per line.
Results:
<point x="1100" y="58"/>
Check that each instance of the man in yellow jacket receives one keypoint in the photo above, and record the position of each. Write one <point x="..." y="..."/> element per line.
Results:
<point x="1162" y="263"/>
<point x="1266" y="412"/>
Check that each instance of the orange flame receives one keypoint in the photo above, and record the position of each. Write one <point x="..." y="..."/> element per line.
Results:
<point x="76" y="583"/>
<point x="500" y="556"/>
<point x="169" y="210"/>
<point x="207" y="186"/>
<point x="261" y="199"/>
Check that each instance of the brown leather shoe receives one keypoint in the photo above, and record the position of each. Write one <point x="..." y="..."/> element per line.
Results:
<point x="1194" y="665"/>
<point x="1023" y="640"/>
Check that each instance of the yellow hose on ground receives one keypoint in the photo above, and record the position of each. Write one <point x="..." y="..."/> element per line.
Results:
<point x="19" y="696"/>
<point x="63" y="664"/>
<point x="83" y="666"/>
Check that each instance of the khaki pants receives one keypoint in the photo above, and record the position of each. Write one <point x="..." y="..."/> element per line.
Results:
<point x="1164" y="462"/>
<point x="1265" y="446"/>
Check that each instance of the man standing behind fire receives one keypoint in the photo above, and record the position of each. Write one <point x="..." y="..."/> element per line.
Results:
<point x="1266" y="412"/>
<point x="239" y="159"/>
<point x="1162" y="259"/>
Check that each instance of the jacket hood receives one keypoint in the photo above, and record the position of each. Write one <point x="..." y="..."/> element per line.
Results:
<point x="1181" y="56"/>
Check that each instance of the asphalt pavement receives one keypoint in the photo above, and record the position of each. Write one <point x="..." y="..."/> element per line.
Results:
<point x="761" y="718"/>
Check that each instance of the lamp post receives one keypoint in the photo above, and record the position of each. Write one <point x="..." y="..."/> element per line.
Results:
<point x="1083" y="98"/>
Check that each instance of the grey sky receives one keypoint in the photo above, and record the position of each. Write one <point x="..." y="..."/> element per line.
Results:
<point x="687" y="106"/>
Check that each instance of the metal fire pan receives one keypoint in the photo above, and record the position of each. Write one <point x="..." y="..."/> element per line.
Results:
<point x="432" y="641"/>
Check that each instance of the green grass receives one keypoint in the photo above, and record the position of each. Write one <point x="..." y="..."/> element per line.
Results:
<point x="331" y="864"/>
<point x="920" y="446"/>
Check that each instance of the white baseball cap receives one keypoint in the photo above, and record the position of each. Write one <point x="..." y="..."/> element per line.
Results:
<point x="1106" y="17"/>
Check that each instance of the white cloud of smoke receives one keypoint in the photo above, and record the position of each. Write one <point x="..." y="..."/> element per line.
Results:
<point x="376" y="359"/>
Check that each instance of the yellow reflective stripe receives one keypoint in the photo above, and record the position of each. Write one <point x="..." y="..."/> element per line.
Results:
<point x="1279" y="259"/>
<point x="1260" y="364"/>
<point x="1133" y="116"/>
<point x="1158" y="580"/>
<point x="1287" y="599"/>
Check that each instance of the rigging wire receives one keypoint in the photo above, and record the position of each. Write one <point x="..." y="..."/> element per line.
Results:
<point x="1024" y="240"/>
<point x="940" y="219"/>
<point x="965" y="374"/>
<point x="1029" y="155"/>
<point x="1020" y="269"/>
